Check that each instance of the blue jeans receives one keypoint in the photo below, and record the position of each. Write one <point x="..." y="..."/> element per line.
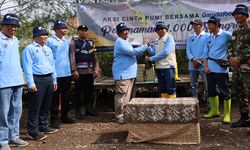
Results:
<point x="166" y="80"/>
<point x="194" y="76"/>
<point x="10" y="113"/>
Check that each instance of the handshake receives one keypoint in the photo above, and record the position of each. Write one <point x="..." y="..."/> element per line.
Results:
<point x="146" y="42"/>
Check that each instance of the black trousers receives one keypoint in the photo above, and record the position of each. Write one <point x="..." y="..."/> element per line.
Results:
<point x="39" y="105"/>
<point x="220" y="81"/>
<point x="85" y="86"/>
<point x="63" y="89"/>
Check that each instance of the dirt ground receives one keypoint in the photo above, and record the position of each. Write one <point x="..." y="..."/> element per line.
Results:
<point x="102" y="133"/>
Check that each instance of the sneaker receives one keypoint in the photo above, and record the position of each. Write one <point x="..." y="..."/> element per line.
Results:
<point x="67" y="120"/>
<point x="39" y="137"/>
<point x="79" y="116"/>
<point x="18" y="142"/>
<point x="5" y="147"/>
<point x="121" y="120"/>
<point x="49" y="130"/>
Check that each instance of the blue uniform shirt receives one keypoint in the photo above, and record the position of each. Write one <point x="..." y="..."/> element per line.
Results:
<point x="37" y="60"/>
<point x="216" y="48"/>
<point x="60" y="49"/>
<point x="125" y="63"/>
<point x="10" y="68"/>
<point x="195" y="49"/>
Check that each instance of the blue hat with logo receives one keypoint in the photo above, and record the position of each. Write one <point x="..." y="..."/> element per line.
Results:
<point x="10" y="19"/>
<point x="82" y="27"/>
<point x="242" y="9"/>
<point x="121" y="27"/>
<point x="38" y="31"/>
<point x="59" y="24"/>
<point x="214" y="20"/>
<point x="160" y="25"/>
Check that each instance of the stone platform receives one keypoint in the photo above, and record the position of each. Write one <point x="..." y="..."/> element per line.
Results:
<point x="162" y="110"/>
<point x="163" y="121"/>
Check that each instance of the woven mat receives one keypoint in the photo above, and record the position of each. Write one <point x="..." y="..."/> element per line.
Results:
<point x="188" y="133"/>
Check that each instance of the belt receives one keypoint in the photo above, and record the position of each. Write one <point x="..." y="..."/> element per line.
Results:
<point x="221" y="62"/>
<point x="42" y="75"/>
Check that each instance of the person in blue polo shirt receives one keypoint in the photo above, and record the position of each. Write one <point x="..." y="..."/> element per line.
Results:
<point x="216" y="69"/>
<point x="60" y="48"/>
<point x="39" y="70"/>
<point x="11" y="82"/>
<point x="195" y="54"/>
<point x="124" y="69"/>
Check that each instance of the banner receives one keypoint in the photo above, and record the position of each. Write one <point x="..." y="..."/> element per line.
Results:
<point x="141" y="17"/>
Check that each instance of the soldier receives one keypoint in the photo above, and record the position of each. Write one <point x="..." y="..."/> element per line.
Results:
<point x="11" y="84"/>
<point x="85" y="68"/>
<point x="195" y="54"/>
<point x="163" y="54"/>
<point x="60" y="48"/>
<point x="239" y="57"/>
<point x="39" y="70"/>
<point x="216" y="70"/>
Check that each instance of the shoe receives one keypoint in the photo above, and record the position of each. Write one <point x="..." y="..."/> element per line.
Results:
<point x="91" y="112"/>
<point x="214" y="112"/>
<point x="227" y="111"/>
<point x="121" y="120"/>
<point x="18" y="142"/>
<point x="55" y="123"/>
<point x="241" y="123"/>
<point x="79" y="116"/>
<point x="67" y="120"/>
<point x="39" y="137"/>
<point x="49" y="130"/>
<point x="5" y="147"/>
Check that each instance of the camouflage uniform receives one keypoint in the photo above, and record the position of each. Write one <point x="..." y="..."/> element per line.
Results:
<point x="240" y="47"/>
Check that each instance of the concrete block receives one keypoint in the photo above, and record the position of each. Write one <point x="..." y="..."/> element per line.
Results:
<point x="162" y="110"/>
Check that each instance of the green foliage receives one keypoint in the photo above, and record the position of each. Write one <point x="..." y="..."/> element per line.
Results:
<point x="182" y="61"/>
<point x="106" y="61"/>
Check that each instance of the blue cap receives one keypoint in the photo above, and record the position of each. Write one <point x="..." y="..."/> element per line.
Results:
<point x="160" y="25"/>
<point x="121" y="27"/>
<point x="214" y="20"/>
<point x="59" y="24"/>
<point x="38" y="31"/>
<point x="242" y="9"/>
<point x="10" y="19"/>
<point x="82" y="27"/>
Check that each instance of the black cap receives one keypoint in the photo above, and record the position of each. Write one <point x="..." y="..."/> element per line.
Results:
<point x="121" y="27"/>
<point x="59" y="24"/>
<point x="242" y="9"/>
<point x="38" y="31"/>
<point x="10" y="19"/>
<point x="81" y="27"/>
<point x="196" y="21"/>
<point x="214" y="20"/>
<point x="160" y="25"/>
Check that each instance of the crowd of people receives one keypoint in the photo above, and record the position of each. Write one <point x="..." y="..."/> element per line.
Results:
<point x="50" y="64"/>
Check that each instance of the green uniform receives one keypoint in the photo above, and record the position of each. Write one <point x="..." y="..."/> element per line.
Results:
<point x="240" y="47"/>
